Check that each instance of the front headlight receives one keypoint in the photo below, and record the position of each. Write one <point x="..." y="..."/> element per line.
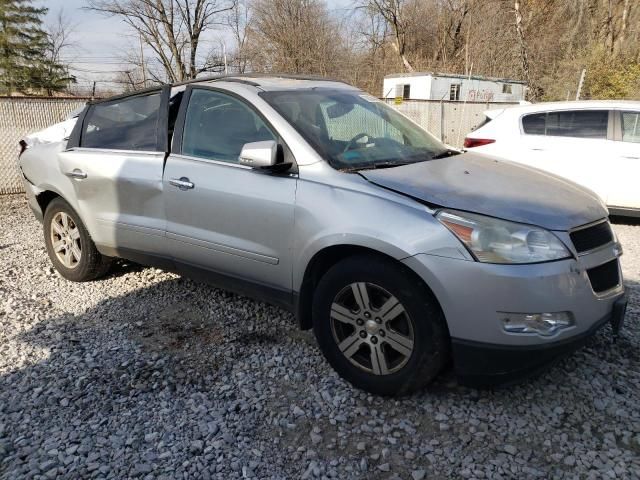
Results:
<point x="498" y="241"/>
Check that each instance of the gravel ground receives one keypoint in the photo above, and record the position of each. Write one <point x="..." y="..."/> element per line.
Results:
<point x="146" y="374"/>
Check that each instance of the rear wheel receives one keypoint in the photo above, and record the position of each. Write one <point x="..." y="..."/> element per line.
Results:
<point x="70" y="248"/>
<point x="379" y="327"/>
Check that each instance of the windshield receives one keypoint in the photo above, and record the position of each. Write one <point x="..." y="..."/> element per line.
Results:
<point x="354" y="130"/>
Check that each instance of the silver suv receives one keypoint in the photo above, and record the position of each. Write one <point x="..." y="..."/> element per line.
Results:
<point x="398" y="251"/>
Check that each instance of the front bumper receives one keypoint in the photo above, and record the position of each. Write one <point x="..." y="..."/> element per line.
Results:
<point x="474" y="297"/>
<point x="481" y="364"/>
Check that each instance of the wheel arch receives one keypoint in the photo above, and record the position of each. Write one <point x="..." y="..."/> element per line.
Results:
<point x="46" y="194"/>
<point x="329" y="256"/>
<point x="45" y="197"/>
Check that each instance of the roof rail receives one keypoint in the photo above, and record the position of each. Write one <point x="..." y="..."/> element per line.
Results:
<point x="213" y="78"/>
<point x="244" y="78"/>
<point x="240" y="78"/>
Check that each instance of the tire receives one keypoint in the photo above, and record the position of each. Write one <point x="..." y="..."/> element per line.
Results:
<point x="411" y="341"/>
<point x="77" y="258"/>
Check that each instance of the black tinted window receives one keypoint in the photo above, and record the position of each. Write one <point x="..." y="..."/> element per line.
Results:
<point x="127" y="124"/>
<point x="578" y="123"/>
<point x="534" y="124"/>
<point x="631" y="127"/>
<point x="218" y="125"/>
<point x="583" y="124"/>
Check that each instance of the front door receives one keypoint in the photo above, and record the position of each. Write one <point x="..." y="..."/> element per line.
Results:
<point x="222" y="216"/>
<point x="624" y="188"/>
<point x="114" y="163"/>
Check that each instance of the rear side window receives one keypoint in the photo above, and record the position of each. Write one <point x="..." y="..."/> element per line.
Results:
<point x="631" y="127"/>
<point x="573" y="123"/>
<point x="126" y="124"/>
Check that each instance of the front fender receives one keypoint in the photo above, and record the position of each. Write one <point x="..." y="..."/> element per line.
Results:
<point x="322" y="242"/>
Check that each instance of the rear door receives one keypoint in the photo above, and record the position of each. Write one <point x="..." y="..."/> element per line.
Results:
<point x="574" y="144"/>
<point x="624" y="188"/>
<point x="222" y="216"/>
<point x="114" y="161"/>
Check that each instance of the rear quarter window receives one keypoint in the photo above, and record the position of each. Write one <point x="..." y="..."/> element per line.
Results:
<point x="534" y="124"/>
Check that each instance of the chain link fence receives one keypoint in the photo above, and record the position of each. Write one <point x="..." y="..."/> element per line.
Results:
<point x="449" y="121"/>
<point x="19" y="117"/>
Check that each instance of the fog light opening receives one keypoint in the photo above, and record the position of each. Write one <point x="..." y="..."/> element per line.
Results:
<point x="544" y="324"/>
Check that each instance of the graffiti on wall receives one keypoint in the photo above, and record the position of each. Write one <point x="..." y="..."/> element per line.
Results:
<point x="480" y="95"/>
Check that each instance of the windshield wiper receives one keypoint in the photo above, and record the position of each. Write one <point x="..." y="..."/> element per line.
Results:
<point x="449" y="152"/>
<point x="372" y="166"/>
<point x="388" y="164"/>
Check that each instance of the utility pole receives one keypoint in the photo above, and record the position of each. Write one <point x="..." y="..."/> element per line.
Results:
<point x="224" y="55"/>
<point x="144" y="70"/>
<point x="581" y="83"/>
<point x="93" y="91"/>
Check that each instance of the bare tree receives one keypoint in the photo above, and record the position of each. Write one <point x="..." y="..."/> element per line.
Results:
<point x="293" y="36"/>
<point x="238" y="22"/>
<point x="173" y="30"/>
<point x="393" y="12"/>
<point x="59" y="40"/>
<point x="60" y="33"/>
<point x="524" y="53"/>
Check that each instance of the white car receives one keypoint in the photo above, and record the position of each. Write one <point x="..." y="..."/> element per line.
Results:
<point x="594" y="143"/>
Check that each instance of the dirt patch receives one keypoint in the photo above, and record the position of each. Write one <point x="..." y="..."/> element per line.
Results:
<point x="178" y="328"/>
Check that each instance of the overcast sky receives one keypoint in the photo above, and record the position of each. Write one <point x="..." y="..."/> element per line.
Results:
<point x="102" y="42"/>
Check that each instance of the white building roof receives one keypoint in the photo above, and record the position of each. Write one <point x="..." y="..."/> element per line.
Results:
<point x="454" y="75"/>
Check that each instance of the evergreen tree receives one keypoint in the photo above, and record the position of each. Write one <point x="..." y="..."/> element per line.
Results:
<point x="24" y="64"/>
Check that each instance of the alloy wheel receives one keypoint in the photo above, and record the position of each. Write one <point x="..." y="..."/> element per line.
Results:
<point x="372" y="328"/>
<point x="65" y="240"/>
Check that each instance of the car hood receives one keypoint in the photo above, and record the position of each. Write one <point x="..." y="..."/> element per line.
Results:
<point x="481" y="184"/>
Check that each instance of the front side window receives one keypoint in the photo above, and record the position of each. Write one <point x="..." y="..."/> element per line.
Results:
<point x="406" y="92"/>
<point x="126" y="124"/>
<point x="572" y="123"/>
<point x="631" y="127"/>
<point x="218" y="125"/>
<point x="353" y="130"/>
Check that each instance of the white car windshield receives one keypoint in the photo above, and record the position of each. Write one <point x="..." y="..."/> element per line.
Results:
<point x="354" y="130"/>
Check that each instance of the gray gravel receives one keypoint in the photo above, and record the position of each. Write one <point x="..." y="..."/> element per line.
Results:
<point x="145" y="374"/>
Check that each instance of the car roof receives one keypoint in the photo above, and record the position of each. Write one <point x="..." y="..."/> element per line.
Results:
<point x="572" y="105"/>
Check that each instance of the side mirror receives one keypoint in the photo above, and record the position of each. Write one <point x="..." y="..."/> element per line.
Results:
<point x="259" y="154"/>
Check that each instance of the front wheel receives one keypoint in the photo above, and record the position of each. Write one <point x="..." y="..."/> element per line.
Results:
<point x="379" y="327"/>
<point x="69" y="245"/>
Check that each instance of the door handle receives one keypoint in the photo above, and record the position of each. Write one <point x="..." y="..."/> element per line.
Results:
<point x="630" y="157"/>
<point x="76" y="173"/>
<point x="182" y="183"/>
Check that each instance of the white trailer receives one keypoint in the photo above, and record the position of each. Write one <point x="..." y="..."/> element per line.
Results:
<point x="453" y="87"/>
